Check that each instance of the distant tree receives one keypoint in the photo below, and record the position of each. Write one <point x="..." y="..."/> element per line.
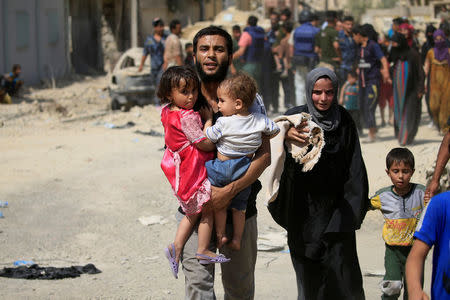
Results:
<point x="359" y="7"/>
<point x="387" y="3"/>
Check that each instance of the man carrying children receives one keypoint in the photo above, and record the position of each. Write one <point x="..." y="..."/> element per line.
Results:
<point x="213" y="56"/>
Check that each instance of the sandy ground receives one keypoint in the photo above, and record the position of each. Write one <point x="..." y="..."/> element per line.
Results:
<point x="76" y="189"/>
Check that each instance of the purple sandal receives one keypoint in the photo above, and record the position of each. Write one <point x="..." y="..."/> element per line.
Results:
<point x="206" y="260"/>
<point x="171" y="256"/>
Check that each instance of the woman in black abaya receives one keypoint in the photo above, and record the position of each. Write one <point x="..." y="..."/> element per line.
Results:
<point x="324" y="206"/>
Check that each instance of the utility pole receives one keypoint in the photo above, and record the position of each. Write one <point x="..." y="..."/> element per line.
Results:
<point x="202" y="10"/>
<point x="134" y="23"/>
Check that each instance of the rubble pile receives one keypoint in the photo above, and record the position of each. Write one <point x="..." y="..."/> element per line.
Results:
<point x="444" y="183"/>
<point x="75" y="99"/>
<point x="226" y="19"/>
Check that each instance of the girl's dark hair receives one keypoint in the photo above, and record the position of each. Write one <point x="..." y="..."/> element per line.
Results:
<point x="400" y="155"/>
<point x="171" y="78"/>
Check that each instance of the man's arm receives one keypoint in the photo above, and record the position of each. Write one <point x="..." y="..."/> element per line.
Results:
<point x="142" y="63"/>
<point x="441" y="162"/>
<point x="221" y="197"/>
<point x="385" y="70"/>
<point x="179" y="60"/>
<point x="414" y="270"/>
<point x="336" y="47"/>
<point x="239" y="52"/>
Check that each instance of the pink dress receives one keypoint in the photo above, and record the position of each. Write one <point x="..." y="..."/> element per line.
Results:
<point x="182" y="163"/>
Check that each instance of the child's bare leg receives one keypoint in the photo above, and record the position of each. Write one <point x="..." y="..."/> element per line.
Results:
<point x="238" y="229"/>
<point x="204" y="232"/>
<point x="220" y="220"/>
<point x="383" y="122"/>
<point x="183" y="232"/>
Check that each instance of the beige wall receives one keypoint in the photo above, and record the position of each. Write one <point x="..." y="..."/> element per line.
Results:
<point x="34" y="36"/>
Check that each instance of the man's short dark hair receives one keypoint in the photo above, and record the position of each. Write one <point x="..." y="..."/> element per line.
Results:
<point x="400" y="155"/>
<point x="236" y="28"/>
<point x="214" y="30"/>
<point x="173" y="24"/>
<point x="360" y="30"/>
<point x="288" y="26"/>
<point x="187" y="45"/>
<point x="274" y="12"/>
<point x="348" y="18"/>
<point x="252" y="21"/>
<point x="157" y="22"/>
<point x="331" y="15"/>
<point x="15" y="67"/>
<point x="398" y="21"/>
<point x="286" y="12"/>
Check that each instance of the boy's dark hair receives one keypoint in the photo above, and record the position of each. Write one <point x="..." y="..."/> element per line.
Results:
<point x="236" y="28"/>
<point x="214" y="30"/>
<point x="15" y="67"/>
<point x="371" y="32"/>
<point x="173" y="24"/>
<point x="171" y="79"/>
<point x="187" y="45"/>
<point x="400" y="155"/>
<point x="288" y="26"/>
<point x="286" y="12"/>
<point x="348" y="18"/>
<point x="252" y="21"/>
<point x="240" y="86"/>
<point x="353" y="74"/>
<point x="360" y="30"/>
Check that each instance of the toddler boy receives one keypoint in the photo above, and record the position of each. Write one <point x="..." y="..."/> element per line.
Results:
<point x="237" y="135"/>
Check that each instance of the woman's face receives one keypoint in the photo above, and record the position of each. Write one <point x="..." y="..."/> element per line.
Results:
<point x="405" y="32"/>
<point x="438" y="38"/>
<point x="323" y="94"/>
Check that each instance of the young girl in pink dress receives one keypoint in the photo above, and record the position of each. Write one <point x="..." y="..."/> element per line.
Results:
<point x="183" y="163"/>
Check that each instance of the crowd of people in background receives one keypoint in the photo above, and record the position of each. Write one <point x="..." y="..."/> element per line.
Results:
<point x="392" y="69"/>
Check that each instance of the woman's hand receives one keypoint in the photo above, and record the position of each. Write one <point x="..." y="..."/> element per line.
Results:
<point x="298" y="134"/>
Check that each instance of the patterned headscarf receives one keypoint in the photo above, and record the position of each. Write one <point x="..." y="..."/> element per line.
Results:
<point x="410" y="29"/>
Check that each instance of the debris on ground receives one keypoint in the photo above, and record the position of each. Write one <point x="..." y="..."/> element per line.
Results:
<point x="36" y="272"/>
<point x="149" y="133"/>
<point x="152" y="220"/>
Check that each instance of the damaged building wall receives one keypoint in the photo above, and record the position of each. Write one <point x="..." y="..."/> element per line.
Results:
<point x="187" y="12"/>
<point x="86" y="52"/>
<point x="34" y="36"/>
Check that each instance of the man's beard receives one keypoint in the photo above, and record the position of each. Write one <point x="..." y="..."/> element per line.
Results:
<point x="219" y="76"/>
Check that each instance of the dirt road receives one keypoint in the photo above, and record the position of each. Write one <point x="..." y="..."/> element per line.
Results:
<point x="76" y="189"/>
